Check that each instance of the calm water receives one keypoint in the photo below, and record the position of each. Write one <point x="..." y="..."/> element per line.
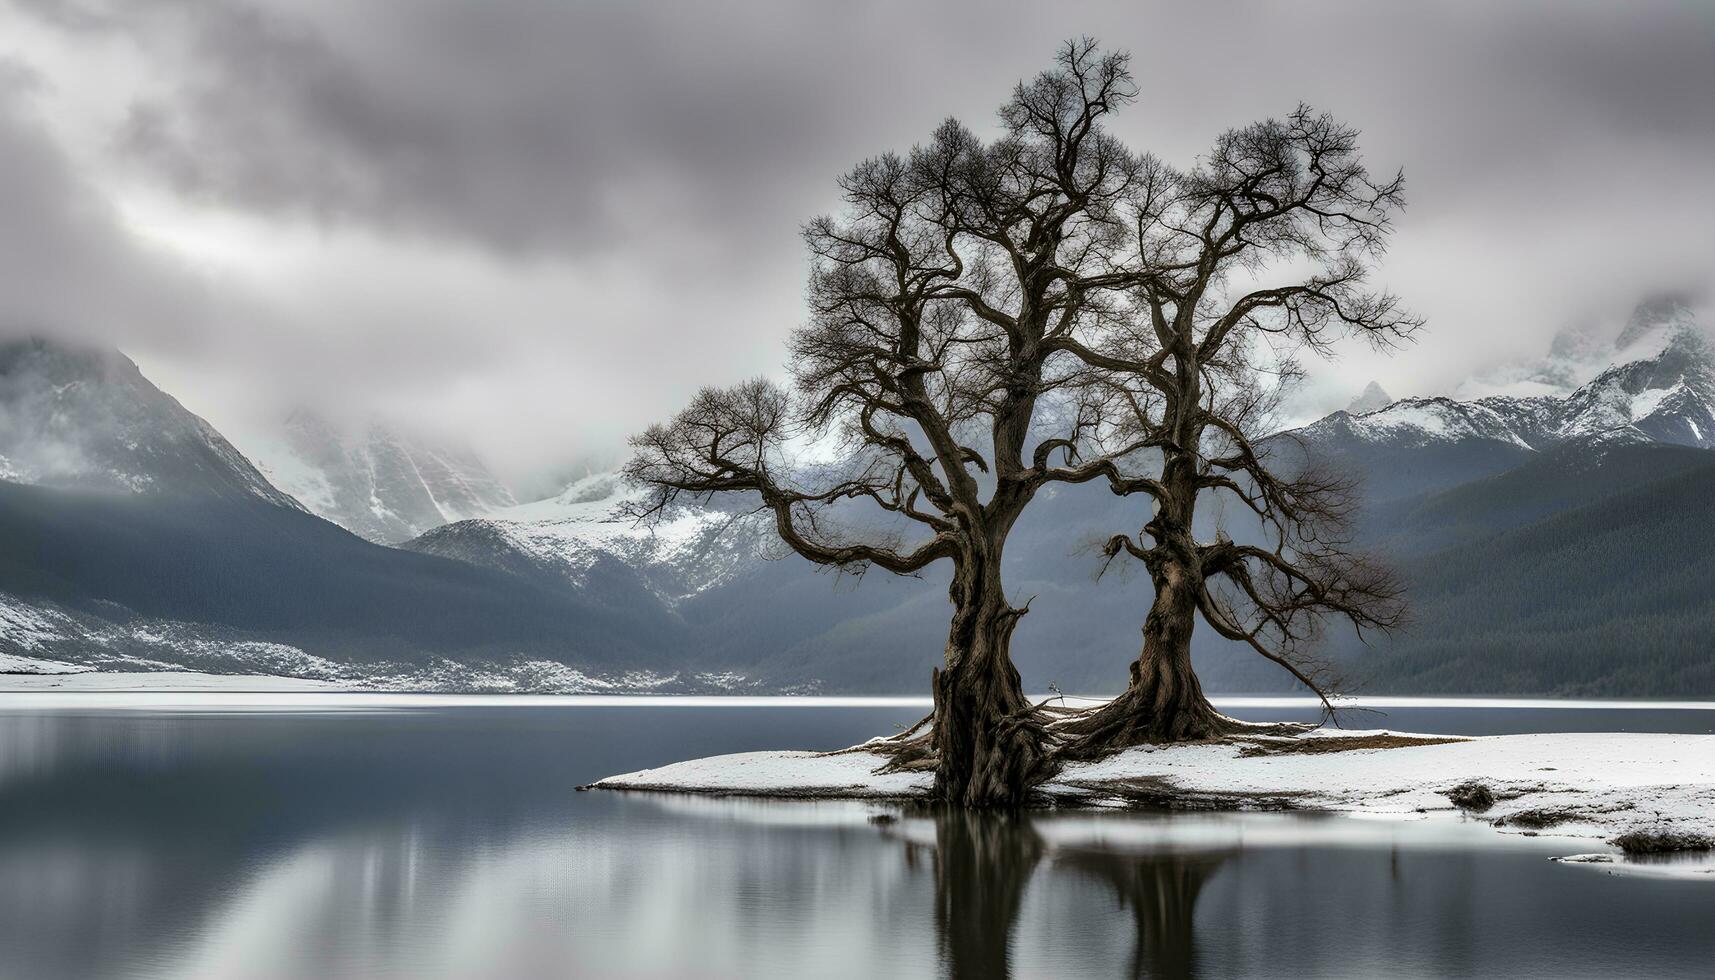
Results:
<point x="316" y="839"/>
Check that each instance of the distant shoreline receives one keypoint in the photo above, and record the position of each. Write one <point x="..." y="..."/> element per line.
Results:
<point x="147" y="683"/>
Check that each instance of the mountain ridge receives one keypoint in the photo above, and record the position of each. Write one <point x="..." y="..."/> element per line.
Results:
<point x="1423" y="444"/>
<point x="571" y="593"/>
<point x="75" y="416"/>
<point x="375" y="480"/>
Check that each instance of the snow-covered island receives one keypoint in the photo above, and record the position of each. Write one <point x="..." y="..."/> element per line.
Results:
<point x="1641" y="792"/>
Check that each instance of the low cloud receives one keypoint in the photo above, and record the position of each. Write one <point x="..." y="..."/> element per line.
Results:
<point x="538" y="226"/>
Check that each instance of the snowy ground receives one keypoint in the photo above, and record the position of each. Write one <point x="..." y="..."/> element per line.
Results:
<point x="11" y="663"/>
<point x="1574" y="785"/>
<point x="74" y="678"/>
<point x="255" y="666"/>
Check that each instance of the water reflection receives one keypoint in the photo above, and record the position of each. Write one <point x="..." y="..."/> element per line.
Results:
<point x="451" y="844"/>
<point x="1161" y="893"/>
<point x="984" y="864"/>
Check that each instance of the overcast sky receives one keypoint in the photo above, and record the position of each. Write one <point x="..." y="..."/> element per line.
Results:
<point x="538" y="226"/>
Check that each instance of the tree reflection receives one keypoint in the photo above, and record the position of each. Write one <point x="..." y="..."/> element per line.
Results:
<point x="984" y="862"/>
<point x="1161" y="891"/>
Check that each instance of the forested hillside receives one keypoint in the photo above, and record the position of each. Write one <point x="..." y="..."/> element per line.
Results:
<point x="1615" y="597"/>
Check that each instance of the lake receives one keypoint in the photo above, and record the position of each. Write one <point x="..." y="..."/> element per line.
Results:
<point x="237" y="836"/>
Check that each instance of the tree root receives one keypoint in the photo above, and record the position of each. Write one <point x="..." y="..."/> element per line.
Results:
<point x="1078" y="734"/>
<point x="910" y="750"/>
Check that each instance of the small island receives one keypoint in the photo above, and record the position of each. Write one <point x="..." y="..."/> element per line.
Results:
<point x="1644" y="793"/>
<point x="990" y="320"/>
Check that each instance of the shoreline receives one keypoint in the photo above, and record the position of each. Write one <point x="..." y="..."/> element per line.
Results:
<point x="1576" y="785"/>
<point x="76" y="679"/>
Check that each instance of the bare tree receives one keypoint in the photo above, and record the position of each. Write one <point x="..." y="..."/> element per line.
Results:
<point x="938" y="305"/>
<point x="987" y="318"/>
<point x="1187" y="373"/>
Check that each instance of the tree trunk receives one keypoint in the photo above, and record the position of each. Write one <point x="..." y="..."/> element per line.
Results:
<point x="989" y="743"/>
<point x="1164" y="702"/>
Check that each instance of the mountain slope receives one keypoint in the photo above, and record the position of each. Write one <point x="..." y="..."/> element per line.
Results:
<point x="1566" y="477"/>
<point x="214" y="567"/>
<point x="1445" y="476"/>
<point x="375" y="481"/>
<point x="1420" y="445"/>
<point x="133" y="535"/>
<point x="1608" y="598"/>
<point x="744" y="601"/>
<point x="1554" y="544"/>
<point x="77" y="417"/>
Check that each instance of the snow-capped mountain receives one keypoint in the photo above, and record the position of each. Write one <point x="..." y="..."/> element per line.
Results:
<point x="85" y="417"/>
<point x="591" y="529"/>
<point x="1583" y="350"/>
<point x="135" y="537"/>
<point x="1488" y="504"/>
<point x="1661" y="391"/>
<point x="374" y="480"/>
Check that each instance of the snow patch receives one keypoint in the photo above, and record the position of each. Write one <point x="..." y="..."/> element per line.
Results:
<point x="28" y="627"/>
<point x="13" y="664"/>
<point x="681" y="552"/>
<point x="1603" y="783"/>
<point x="779" y="774"/>
<point x="1673" y="379"/>
<point x="156" y="680"/>
<point x="1644" y="403"/>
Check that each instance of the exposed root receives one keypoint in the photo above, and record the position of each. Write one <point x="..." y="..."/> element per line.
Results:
<point x="1163" y="705"/>
<point x="910" y="750"/>
<point x="1318" y="746"/>
<point x="1099" y="732"/>
<point x="887" y="744"/>
<point x="1073" y="733"/>
<point x="916" y="755"/>
<point x="1282" y="729"/>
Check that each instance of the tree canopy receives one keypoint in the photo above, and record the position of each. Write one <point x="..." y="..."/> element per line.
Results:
<point x="988" y="317"/>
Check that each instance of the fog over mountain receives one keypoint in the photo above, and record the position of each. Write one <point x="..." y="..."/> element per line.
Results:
<point x="1518" y="475"/>
<point x="1371" y="398"/>
<point x="373" y="479"/>
<point x="145" y="541"/>
<point x="87" y="418"/>
<point x="379" y="272"/>
<point x="1588" y="345"/>
<point x="534" y="228"/>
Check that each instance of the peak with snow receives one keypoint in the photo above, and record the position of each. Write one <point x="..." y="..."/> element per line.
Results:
<point x="74" y="416"/>
<point x="1654" y="319"/>
<point x="593" y="526"/>
<point x="1663" y="391"/>
<point x="1371" y="399"/>
<point x="1584" y="350"/>
<point x="375" y="480"/>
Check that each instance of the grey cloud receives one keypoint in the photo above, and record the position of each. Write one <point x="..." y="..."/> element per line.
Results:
<point x="536" y="126"/>
<point x="69" y="267"/>
<point x="579" y="211"/>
